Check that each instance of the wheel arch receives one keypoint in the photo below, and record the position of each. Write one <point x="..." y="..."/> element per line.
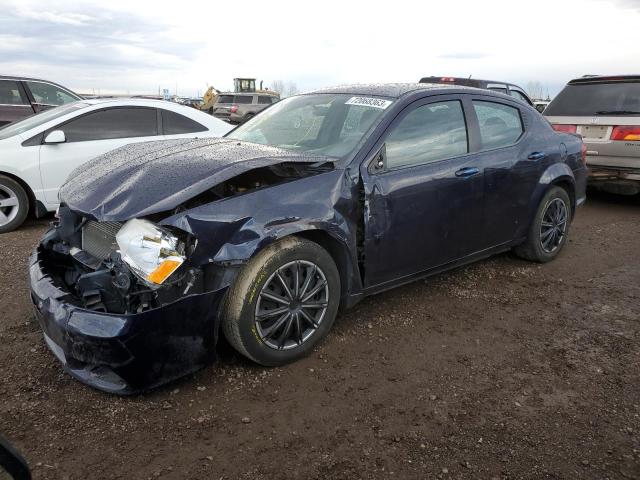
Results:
<point x="557" y="174"/>
<point x="339" y="251"/>
<point x="568" y="184"/>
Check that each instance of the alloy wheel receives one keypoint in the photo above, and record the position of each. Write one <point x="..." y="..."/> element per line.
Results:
<point x="292" y="304"/>
<point x="554" y="225"/>
<point x="9" y="205"/>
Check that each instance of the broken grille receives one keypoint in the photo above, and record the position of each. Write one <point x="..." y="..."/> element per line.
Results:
<point x="99" y="238"/>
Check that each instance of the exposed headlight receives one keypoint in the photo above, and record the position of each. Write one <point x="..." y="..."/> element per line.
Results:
<point x="152" y="253"/>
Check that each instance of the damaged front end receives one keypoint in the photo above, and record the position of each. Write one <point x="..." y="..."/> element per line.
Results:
<point x="129" y="282"/>
<point x="119" y="319"/>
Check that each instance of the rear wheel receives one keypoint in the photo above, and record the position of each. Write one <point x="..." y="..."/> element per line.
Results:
<point x="283" y="302"/>
<point x="549" y="229"/>
<point x="14" y="204"/>
<point x="248" y="117"/>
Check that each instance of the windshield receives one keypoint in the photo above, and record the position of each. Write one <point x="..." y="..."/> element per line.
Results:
<point x="325" y="124"/>
<point x="596" y="99"/>
<point x="39" y="119"/>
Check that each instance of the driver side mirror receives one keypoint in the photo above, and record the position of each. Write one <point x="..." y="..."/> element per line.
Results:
<point x="12" y="465"/>
<point x="56" y="136"/>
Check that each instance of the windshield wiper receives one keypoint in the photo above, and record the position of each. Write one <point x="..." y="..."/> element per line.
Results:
<point x="617" y="112"/>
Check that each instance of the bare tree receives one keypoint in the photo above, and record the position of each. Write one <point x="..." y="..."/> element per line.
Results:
<point x="278" y="86"/>
<point x="285" y="89"/>
<point x="535" y="89"/>
<point x="291" y="89"/>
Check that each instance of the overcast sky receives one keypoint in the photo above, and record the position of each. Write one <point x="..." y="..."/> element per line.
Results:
<point x="138" y="46"/>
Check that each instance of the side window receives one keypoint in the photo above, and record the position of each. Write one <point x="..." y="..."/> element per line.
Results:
<point x="264" y="100"/>
<point x="500" y="125"/>
<point x="176" y="124"/>
<point x="275" y="99"/>
<point x="47" y="94"/>
<point x="112" y="123"/>
<point x="244" y="99"/>
<point x="225" y="99"/>
<point x="10" y="93"/>
<point x="429" y="133"/>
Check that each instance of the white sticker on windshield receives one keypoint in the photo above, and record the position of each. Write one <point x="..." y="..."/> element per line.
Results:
<point x="369" y="102"/>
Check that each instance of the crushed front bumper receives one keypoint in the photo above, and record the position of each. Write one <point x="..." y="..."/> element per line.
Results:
<point x="125" y="353"/>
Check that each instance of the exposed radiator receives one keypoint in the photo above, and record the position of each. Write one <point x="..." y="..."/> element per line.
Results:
<point x="99" y="238"/>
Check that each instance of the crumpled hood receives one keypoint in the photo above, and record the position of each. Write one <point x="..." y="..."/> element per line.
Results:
<point x="144" y="178"/>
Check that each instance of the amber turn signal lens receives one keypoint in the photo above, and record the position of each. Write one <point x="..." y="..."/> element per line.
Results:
<point x="164" y="271"/>
<point x="629" y="133"/>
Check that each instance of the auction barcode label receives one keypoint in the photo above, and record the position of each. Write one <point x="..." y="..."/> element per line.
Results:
<point x="369" y="102"/>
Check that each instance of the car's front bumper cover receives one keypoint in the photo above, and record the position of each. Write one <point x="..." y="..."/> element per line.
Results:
<point x="125" y="353"/>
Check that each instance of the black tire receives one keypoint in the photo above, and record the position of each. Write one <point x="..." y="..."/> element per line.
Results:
<point x="533" y="248"/>
<point x="239" y="321"/>
<point x="248" y="117"/>
<point x="12" y="216"/>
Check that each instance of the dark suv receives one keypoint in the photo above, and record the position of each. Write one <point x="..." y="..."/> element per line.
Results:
<point x="22" y="97"/>
<point x="502" y="87"/>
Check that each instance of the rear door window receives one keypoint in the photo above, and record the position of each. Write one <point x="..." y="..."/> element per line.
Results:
<point x="614" y="98"/>
<point x="244" y="99"/>
<point x="112" y="123"/>
<point x="429" y="133"/>
<point x="175" y="124"/>
<point x="11" y="93"/>
<point x="500" y="125"/>
<point x="47" y="94"/>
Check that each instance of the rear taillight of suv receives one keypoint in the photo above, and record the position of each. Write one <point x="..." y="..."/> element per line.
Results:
<point x="234" y="108"/>
<point x="583" y="153"/>
<point x="626" y="133"/>
<point x="565" y="128"/>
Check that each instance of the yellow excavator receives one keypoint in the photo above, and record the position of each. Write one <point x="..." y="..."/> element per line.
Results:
<point x="209" y="98"/>
<point x="240" y="85"/>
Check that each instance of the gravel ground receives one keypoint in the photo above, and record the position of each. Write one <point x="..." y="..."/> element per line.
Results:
<point x="503" y="369"/>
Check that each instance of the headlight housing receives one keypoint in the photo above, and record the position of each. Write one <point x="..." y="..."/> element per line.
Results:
<point x="152" y="253"/>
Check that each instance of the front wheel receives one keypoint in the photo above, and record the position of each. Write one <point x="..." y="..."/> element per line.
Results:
<point x="549" y="229"/>
<point x="283" y="302"/>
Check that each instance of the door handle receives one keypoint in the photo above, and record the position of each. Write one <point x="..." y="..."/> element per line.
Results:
<point x="467" y="172"/>
<point x="537" y="156"/>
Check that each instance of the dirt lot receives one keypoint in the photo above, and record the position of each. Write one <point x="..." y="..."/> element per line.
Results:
<point x="503" y="369"/>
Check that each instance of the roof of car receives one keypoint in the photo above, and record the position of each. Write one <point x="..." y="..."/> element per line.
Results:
<point x="466" y="80"/>
<point x="128" y="101"/>
<point x="18" y="77"/>
<point x="393" y="90"/>
<point x="604" y="79"/>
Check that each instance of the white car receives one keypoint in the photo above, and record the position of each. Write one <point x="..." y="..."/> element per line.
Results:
<point x="38" y="153"/>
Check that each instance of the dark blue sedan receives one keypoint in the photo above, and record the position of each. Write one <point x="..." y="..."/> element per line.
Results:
<point x="322" y="199"/>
